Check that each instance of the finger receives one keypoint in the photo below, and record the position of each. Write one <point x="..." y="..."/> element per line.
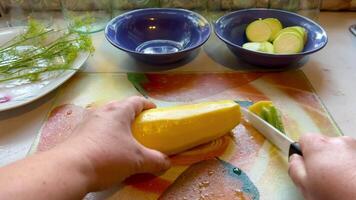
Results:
<point x="130" y="107"/>
<point x="154" y="162"/>
<point x="346" y="140"/>
<point x="297" y="170"/>
<point x="139" y="104"/>
<point x="310" y="143"/>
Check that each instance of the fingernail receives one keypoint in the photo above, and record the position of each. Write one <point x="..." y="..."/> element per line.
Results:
<point x="167" y="162"/>
<point x="291" y="157"/>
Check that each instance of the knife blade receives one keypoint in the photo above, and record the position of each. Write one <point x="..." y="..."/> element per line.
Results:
<point x="353" y="29"/>
<point x="276" y="137"/>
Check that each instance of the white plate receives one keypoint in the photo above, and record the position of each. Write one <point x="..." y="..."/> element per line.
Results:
<point x="13" y="96"/>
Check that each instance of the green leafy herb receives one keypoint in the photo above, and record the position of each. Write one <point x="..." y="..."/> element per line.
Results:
<point x="40" y="51"/>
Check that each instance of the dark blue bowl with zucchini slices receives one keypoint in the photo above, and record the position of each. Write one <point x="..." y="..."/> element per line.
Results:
<point x="269" y="37"/>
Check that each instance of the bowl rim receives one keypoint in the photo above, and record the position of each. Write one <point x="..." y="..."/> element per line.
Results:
<point x="159" y="9"/>
<point x="269" y="54"/>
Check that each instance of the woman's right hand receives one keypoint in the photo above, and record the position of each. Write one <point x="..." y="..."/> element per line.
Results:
<point x="327" y="170"/>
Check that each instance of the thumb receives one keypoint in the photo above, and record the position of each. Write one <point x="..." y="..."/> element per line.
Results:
<point x="297" y="171"/>
<point x="154" y="161"/>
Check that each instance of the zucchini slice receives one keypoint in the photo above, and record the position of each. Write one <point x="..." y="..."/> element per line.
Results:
<point x="265" y="47"/>
<point x="288" y="43"/>
<point x="258" y="31"/>
<point x="297" y="29"/>
<point x="275" y="26"/>
<point x="253" y="46"/>
<point x="302" y="31"/>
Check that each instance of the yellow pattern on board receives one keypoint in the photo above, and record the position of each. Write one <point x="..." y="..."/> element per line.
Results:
<point x="175" y="129"/>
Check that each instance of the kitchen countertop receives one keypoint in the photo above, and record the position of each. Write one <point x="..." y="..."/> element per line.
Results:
<point x="331" y="71"/>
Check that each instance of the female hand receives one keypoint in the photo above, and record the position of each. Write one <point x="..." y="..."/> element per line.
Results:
<point x="327" y="169"/>
<point x="104" y="138"/>
<point x="102" y="153"/>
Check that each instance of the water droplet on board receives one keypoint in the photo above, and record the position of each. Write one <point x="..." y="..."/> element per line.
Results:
<point x="204" y="184"/>
<point x="237" y="171"/>
<point x="204" y="196"/>
<point x="210" y="173"/>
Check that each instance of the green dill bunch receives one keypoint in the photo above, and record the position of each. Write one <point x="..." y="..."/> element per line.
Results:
<point x="34" y="54"/>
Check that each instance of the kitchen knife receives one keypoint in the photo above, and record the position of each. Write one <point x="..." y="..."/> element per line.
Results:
<point x="280" y="140"/>
<point x="353" y="29"/>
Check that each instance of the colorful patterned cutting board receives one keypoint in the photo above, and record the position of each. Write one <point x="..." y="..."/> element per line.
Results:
<point x="240" y="165"/>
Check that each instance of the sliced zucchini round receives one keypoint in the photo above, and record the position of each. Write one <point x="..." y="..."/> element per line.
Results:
<point x="297" y="29"/>
<point x="275" y="26"/>
<point x="302" y="31"/>
<point x="253" y="46"/>
<point x="258" y="31"/>
<point x="288" y="43"/>
<point x="267" y="47"/>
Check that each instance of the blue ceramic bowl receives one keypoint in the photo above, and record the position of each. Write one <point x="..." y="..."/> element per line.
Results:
<point x="231" y="29"/>
<point x="158" y="35"/>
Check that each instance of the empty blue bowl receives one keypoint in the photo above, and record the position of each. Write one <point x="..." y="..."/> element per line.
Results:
<point x="158" y="35"/>
<point x="231" y="29"/>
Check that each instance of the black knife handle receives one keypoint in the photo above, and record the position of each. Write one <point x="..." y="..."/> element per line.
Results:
<point x="295" y="149"/>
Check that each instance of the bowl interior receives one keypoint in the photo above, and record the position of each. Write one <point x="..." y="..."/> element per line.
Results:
<point x="158" y="31"/>
<point x="231" y="27"/>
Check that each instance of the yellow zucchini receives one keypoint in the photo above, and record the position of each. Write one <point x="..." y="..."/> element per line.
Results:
<point x="258" y="31"/>
<point x="265" y="47"/>
<point x="172" y="130"/>
<point x="268" y="112"/>
<point x="297" y="29"/>
<point x="288" y="43"/>
<point x="258" y="106"/>
<point x="275" y="26"/>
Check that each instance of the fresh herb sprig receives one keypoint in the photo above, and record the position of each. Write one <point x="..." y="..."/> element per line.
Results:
<point x="40" y="51"/>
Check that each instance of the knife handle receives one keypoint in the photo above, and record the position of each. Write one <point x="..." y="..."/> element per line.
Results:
<point x="295" y="149"/>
